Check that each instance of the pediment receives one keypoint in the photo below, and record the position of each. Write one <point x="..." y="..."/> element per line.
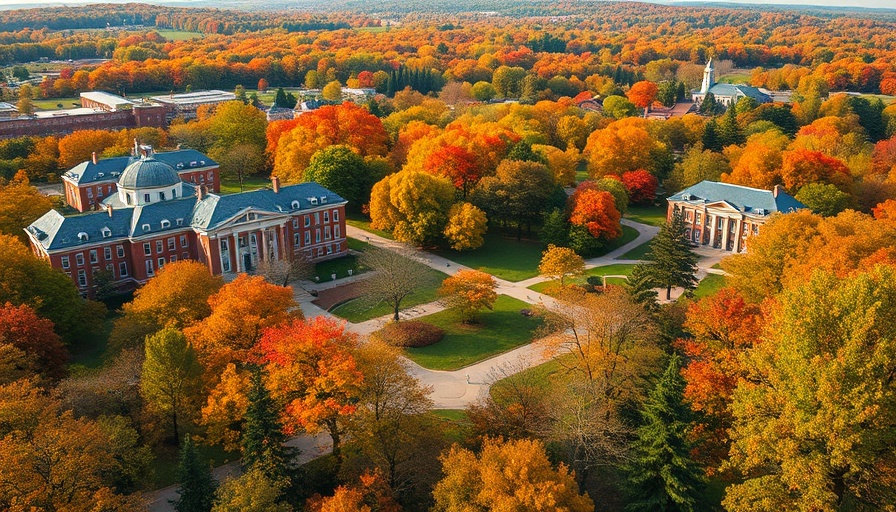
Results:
<point x="722" y="206"/>
<point x="248" y="216"/>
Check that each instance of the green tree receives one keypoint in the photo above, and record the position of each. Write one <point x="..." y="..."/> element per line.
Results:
<point x="729" y="131"/>
<point x="641" y="288"/>
<point x="555" y="229"/>
<point x="240" y="93"/>
<point x="343" y="171"/>
<point x="332" y="91"/>
<point x="263" y="438"/>
<point x="25" y="104"/>
<point x="673" y="261"/>
<point x="518" y="193"/>
<point x="172" y="376"/>
<point x="709" y="106"/>
<point x="197" y="487"/>
<point x="661" y="474"/>
<point x="252" y="491"/>
<point x="483" y="91"/>
<point x="619" y="107"/>
<point x="824" y="198"/>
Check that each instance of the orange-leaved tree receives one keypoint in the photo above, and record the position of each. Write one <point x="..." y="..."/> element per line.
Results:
<point x="468" y="291"/>
<point x="643" y="93"/>
<point x="311" y="368"/>
<point x="596" y="211"/>
<point x="21" y="328"/>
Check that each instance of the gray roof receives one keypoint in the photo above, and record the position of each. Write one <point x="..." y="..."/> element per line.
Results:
<point x="753" y="201"/>
<point x="53" y="231"/>
<point x="148" y="173"/>
<point x="109" y="169"/>
<point x="739" y="91"/>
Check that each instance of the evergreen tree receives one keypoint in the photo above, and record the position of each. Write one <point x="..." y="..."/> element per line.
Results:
<point x="555" y="229"/>
<point x="682" y="91"/>
<point x="662" y="476"/>
<point x="709" y="106"/>
<point x="197" y="487"/>
<point x="640" y="287"/>
<point x="263" y="438"/>
<point x="711" y="139"/>
<point x="280" y="98"/>
<point x="523" y="152"/>
<point x="729" y="131"/>
<point x="674" y="263"/>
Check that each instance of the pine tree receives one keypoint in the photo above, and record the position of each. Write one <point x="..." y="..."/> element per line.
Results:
<point x="640" y="286"/>
<point x="280" y="98"/>
<point x="711" y="139"/>
<point x="197" y="487"/>
<point x="729" y="131"/>
<point x="709" y="106"/>
<point x="661" y="475"/>
<point x="674" y="263"/>
<point x="263" y="438"/>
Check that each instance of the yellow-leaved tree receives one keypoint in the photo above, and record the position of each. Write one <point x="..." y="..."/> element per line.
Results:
<point x="466" y="225"/>
<point x="468" y="291"/>
<point x="560" y="263"/>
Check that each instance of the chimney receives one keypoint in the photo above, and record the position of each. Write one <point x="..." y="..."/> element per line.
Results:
<point x="275" y="184"/>
<point x="777" y="190"/>
<point x="201" y="191"/>
<point x="109" y="210"/>
<point x="93" y="158"/>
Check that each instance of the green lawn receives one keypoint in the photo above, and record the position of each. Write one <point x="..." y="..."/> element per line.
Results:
<point x="709" y="285"/>
<point x="497" y="331"/>
<point x="339" y="266"/>
<point x="232" y="185"/>
<point x="651" y="215"/>
<point x="606" y="270"/>
<point x="179" y="35"/>
<point x="502" y="256"/>
<point x="543" y="376"/>
<point x="362" y="222"/>
<point x="53" y="103"/>
<point x="361" y="309"/>
<point x="628" y="234"/>
<point x="638" y="253"/>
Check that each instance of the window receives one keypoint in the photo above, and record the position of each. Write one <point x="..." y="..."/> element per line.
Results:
<point x="295" y="223"/>
<point x="316" y="217"/>
<point x="90" y="193"/>
<point x="698" y="218"/>
<point x="120" y="249"/>
<point x="307" y="237"/>
<point x="185" y="256"/>
<point x="327" y="233"/>
<point x="211" y="177"/>
<point x="82" y="279"/>
<point x="335" y="215"/>
<point x="183" y="240"/>
<point x="83" y="237"/>
<point x="317" y="236"/>
<point x="145" y="227"/>
<point x="171" y="244"/>
<point x="174" y="193"/>
<point x="79" y="259"/>
<point x="107" y="253"/>
<point x="326" y="216"/>
<point x="161" y="196"/>
<point x="295" y="239"/>
<point x="161" y="263"/>
<point x="320" y="252"/>
<point x="295" y="205"/>
<point x="149" y="270"/>
<point x="166" y="223"/>
<point x="173" y="258"/>
<point x="107" y="232"/>
<point x="307" y="220"/>
<point x="129" y="198"/>
<point x="145" y="198"/>
<point x="147" y="249"/>
<point x="122" y="269"/>
<point x="329" y="249"/>
<point x="180" y="222"/>
<point x="158" y="246"/>
<point x="337" y="231"/>
<point x="110" y="268"/>
<point x="65" y="262"/>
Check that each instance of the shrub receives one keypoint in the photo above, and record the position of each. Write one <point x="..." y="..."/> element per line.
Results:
<point x="410" y="333"/>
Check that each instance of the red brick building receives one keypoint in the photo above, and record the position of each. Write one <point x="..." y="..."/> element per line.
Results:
<point x="89" y="183"/>
<point x="154" y="217"/>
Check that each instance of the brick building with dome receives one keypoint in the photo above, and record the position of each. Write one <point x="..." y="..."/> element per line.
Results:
<point x="152" y="216"/>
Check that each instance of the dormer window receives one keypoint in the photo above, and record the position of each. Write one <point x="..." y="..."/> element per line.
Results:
<point x="82" y="236"/>
<point x="161" y="196"/>
<point x="295" y="205"/>
<point x="145" y="227"/>
<point x="323" y="199"/>
<point x="166" y="223"/>
<point x="312" y="200"/>
<point x="180" y="222"/>
<point x="107" y="232"/>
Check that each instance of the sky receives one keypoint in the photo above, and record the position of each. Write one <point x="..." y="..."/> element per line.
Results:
<point x="889" y="4"/>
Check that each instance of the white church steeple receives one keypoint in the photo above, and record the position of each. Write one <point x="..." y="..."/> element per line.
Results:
<point x="709" y="77"/>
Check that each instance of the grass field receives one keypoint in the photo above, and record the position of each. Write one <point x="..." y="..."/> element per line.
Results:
<point x="638" y="253"/>
<point x="361" y="309"/>
<point x="340" y="267"/>
<point x="180" y="35"/>
<point x="606" y="270"/>
<point x="651" y="215"/>
<point x="232" y="186"/>
<point x="497" y="331"/>
<point x="628" y="234"/>
<point x="709" y="285"/>
<point x="502" y="256"/>
<point x="361" y="222"/>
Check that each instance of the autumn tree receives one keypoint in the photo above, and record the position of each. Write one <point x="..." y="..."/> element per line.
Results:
<point x="20" y="205"/>
<point x="824" y="199"/>
<point x="332" y="91"/>
<point x="512" y="475"/>
<point x="240" y="161"/>
<point x="516" y="407"/>
<point x="310" y="367"/>
<point x="674" y="263"/>
<point x="171" y="376"/>
<point x="518" y="193"/>
<point x="396" y="274"/>
<point x="467" y="292"/>
<point x="466" y="225"/>
<point x="370" y="494"/>
<point x="26" y="280"/>
<point x="560" y="263"/>
<point x="813" y="429"/>
<point x="625" y="146"/>
<point x="253" y="491"/>
<point x="802" y="167"/>
<point x="643" y="94"/>
<point x="22" y="329"/>
<point x="176" y="297"/>
<point x="640" y="185"/>
<point x="197" y="487"/>
<point x="596" y="211"/>
<point x="78" y="146"/>
<point x="455" y="163"/>
<point x="698" y="164"/>
<point x="413" y="205"/>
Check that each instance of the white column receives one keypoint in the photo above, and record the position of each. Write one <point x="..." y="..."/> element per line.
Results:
<point x="712" y="231"/>
<point x="236" y="251"/>
<point x="737" y="235"/>
<point x="725" y="234"/>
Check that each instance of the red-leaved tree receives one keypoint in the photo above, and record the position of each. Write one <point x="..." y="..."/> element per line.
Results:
<point x="640" y="185"/>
